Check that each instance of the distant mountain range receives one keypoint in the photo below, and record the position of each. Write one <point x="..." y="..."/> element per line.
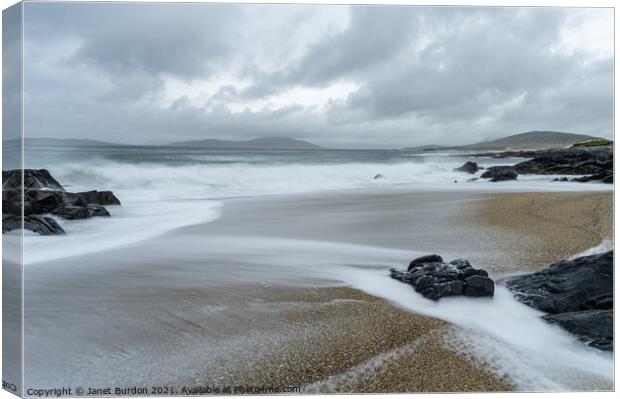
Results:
<point x="53" y="142"/>
<point x="522" y="141"/>
<point x="263" y="143"/>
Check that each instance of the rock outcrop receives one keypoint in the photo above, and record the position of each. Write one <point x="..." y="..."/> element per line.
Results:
<point x="43" y="195"/>
<point x="500" y="173"/>
<point x="468" y="167"/>
<point x="35" y="179"/>
<point x="435" y="279"/>
<point x="577" y="295"/>
<point x="596" y="164"/>
<point x="43" y="225"/>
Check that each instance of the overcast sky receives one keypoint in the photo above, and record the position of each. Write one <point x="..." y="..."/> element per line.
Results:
<point x="338" y="76"/>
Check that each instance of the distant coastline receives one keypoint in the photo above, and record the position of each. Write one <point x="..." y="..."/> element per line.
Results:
<point x="533" y="140"/>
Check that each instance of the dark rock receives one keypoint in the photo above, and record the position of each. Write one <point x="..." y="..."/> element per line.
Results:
<point x="595" y="327"/>
<point x="12" y="202"/>
<point x="468" y="167"/>
<point x="97" y="197"/>
<point x="563" y="165"/>
<point x="72" y="212"/>
<point x="505" y="175"/>
<point x="477" y="285"/>
<point x="560" y="179"/>
<point x="423" y="260"/>
<point x="605" y="177"/>
<point x="378" y="176"/>
<point x="564" y="161"/>
<point x="434" y="279"/>
<point x="603" y="301"/>
<point x="42" y="225"/>
<point x="97" y="210"/>
<point x="33" y="179"/>
<point x="577" y="293"/>
<point x="42" y="201"/>
<point x="41" y="195"/>
<point x="500" y="173"/>
<point x="451" y="288"/>
<point x="492" y="171"/>
<point x="566" y="286"/>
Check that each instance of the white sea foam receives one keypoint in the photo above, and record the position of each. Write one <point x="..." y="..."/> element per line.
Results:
<point x="129" y="224"/>
<point x="604" y="246"/>
<point x="505" y="334"/>
<point x="159" y="196"/>
<point x="213" y="180"/>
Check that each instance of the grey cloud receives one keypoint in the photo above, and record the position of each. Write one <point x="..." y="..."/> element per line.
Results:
<point x="183" y="40"/>
<point x="424" y="73"/>
<point x="11" y="72"/>
<point x="375" y="35"/>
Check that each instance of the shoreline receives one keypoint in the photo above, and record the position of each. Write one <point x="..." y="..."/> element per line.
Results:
<point x="254" y="299"/>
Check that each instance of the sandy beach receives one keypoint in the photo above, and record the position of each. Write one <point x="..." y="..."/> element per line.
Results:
<point x="549" y="226"/>
<point x="265" y="297"/>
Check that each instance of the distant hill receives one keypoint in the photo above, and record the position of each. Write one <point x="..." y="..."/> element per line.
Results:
<point x="522" y="141"/>
<point x="264" y="143"/>
<point x="54" y="142"/>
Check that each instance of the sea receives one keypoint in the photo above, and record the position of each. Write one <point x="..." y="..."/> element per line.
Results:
<point x="162" y="188"/>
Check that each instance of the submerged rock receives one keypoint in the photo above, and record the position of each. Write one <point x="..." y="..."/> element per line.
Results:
<point x="500" y="173"/>
<point x="468" y="167"/>
<point x="434" y="279"/>
<point x="577" y="293"/>
<point x="42" y="225"/>
<point x="595" y="327"/>
<point x="603" y="177"/>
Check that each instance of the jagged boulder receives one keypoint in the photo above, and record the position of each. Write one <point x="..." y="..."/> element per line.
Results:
<point x="43" y="195"/>
<point x="577" y="293"/>
<point x="36" y="179"/>
<point x="434" y="279"/>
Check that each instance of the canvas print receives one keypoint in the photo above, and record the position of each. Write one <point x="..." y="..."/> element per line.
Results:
<point x="214" y="199"/>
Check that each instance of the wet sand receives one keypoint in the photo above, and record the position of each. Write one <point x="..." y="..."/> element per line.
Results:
<point x="542" y="228"/>
<point x="249" y="299"/>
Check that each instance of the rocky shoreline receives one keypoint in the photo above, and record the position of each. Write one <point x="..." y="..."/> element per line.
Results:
<point x="576" y="294"/>
<point x="590" y="163"/>
<point x="41" y="196"/>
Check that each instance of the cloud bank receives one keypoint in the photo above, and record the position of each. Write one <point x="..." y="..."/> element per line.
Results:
<point x="339" y="76"/>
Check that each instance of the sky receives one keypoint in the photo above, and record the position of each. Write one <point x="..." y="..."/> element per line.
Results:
<point x="338" y="76"/>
